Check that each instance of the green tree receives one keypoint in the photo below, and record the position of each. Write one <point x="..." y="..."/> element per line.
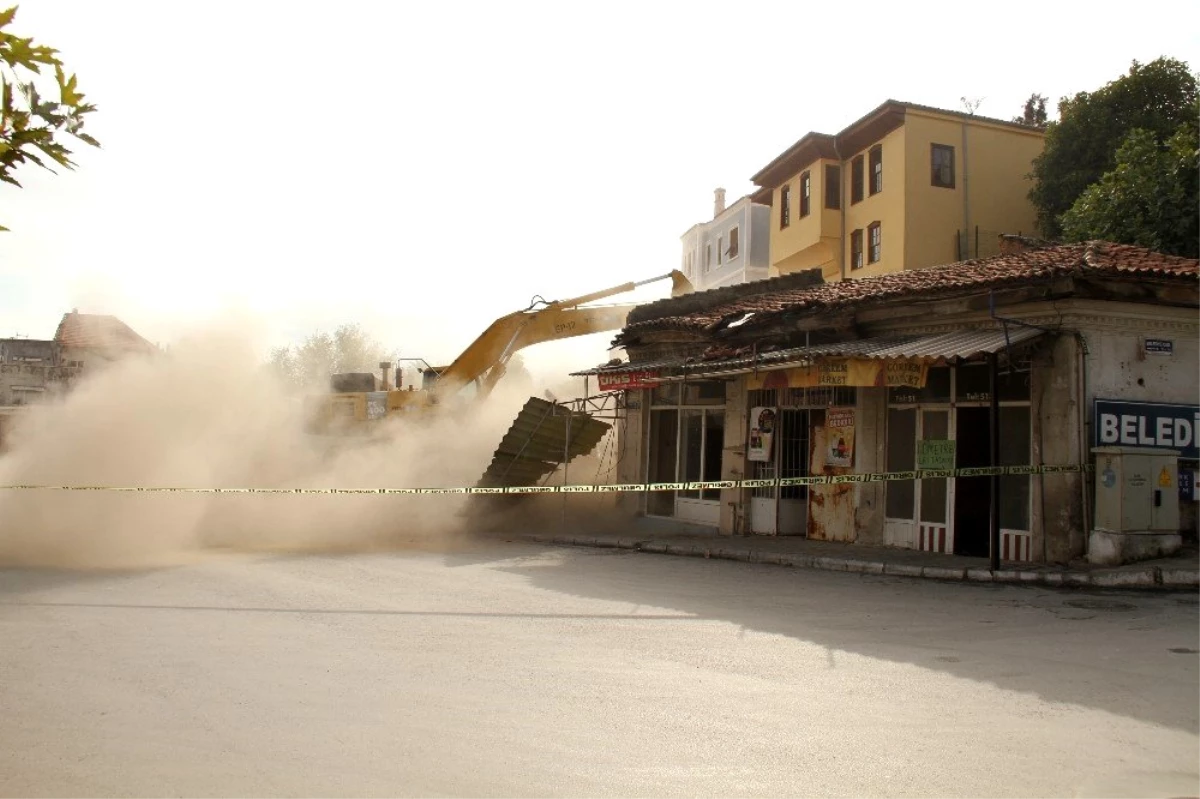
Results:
<point x="309" y="366"/>
<point x="33" y="127"/>
<point x="1081" y="146"/>
<point x="1034" y="114"/>
<point x="1150" y="198"/>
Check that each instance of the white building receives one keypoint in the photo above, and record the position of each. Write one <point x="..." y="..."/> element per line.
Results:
<point x="730" y="248"/>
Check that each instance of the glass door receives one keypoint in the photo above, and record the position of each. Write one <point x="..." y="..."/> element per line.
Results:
<point x="933" y="530"/>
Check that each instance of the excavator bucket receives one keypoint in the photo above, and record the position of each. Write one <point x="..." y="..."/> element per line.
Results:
<point x="680" y="285"/>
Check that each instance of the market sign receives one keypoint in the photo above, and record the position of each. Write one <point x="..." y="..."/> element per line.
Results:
<point x="627" y="380"/>
<point x="1146" y="424"/>
<point x="859" y="372"/>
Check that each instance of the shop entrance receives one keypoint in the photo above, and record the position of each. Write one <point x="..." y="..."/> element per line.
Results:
<point x="972" y="495"/>
<point x="783" y="510"/>
<point x="686" y="438"/>
<point x="953" y="515"/>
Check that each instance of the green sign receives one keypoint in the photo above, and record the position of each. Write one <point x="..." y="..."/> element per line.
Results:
<point x="935" y="454"/>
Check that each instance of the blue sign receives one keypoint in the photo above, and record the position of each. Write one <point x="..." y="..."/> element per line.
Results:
<point x="1146" y="424"/>
<point x="1187" y="485"/>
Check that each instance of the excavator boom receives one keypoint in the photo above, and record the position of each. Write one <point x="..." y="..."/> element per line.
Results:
<point x="483" y="362"/>
<point x="486" y="356"/>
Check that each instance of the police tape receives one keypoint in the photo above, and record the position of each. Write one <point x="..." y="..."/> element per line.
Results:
<point x="702" y="485"/>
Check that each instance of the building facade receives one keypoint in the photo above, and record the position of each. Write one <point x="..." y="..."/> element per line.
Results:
<point x="863" y="410"/>
<point x="37" y="371"/>
<point x="731" y="248"/>
<point x="904" y="187"/>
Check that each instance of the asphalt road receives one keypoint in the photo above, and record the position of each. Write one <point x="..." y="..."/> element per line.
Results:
<point x="512" y="670"/>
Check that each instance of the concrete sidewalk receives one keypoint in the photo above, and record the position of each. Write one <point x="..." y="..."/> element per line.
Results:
<point x="1180" y="572"/>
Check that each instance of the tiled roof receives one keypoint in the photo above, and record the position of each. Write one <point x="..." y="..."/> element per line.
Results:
<point x="97" y="331"/>
<point x="953" y="345"/>
<point x="1096" y="258"/>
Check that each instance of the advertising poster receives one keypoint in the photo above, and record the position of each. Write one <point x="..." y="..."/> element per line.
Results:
<point x="762" y="432"/>
<point x="839" y="437"/>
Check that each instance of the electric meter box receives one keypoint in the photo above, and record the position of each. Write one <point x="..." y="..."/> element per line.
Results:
<point x="1137" y="490"/>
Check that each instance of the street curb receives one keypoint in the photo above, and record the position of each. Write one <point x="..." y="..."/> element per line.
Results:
<point x="1151" y="578"/>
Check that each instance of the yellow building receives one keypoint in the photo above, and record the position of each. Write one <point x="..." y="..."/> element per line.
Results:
<point x="906" y="186"/>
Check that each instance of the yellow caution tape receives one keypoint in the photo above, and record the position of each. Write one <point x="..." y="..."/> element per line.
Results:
<point x="702" y="485"/>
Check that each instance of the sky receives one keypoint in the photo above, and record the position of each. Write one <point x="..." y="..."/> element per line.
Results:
<point x="422" y="168"/>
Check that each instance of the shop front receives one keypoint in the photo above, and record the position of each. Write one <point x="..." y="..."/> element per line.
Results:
<point x="946" y="425"/>
<point x="686" y="436"/>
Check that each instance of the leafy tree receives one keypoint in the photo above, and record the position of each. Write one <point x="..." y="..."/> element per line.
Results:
<point x="1034" y="114"/>
<point x="310" y="365"/>
<point x="1082" y="145"/>
<point x="32" y="127"/>
<point x="1150" y="198"/>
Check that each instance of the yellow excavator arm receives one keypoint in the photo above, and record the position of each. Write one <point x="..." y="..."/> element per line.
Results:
<point x="484" y="360"/>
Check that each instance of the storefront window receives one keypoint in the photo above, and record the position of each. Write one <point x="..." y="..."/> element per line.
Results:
<point x="708" y="392"/>
<point x="664" y="429"/>
<point x="1013" y="386"/>
<point x="973" y="383"/>
<point x="1014" y="451"/>
<point x="665" y="394"/>
<point x="901" y="457"/>
<point x="935" y="426"/>
<point x="937" y="385"/>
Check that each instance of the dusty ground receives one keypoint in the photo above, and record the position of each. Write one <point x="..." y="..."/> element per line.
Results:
<point x="507" y="669"/>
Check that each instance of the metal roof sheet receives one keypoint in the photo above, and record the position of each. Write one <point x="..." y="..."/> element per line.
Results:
<point x="536" y="443"/>
<point x="955" y="344"/>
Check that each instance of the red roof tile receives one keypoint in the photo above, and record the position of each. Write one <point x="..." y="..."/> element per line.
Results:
<point x="1098" y="258"/>
<point x="96" y="331"/>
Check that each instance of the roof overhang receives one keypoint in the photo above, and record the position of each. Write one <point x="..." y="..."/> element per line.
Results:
<point x="953" y="346"/>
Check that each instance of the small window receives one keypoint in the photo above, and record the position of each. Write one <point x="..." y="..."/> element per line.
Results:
<point x="856" y="249"/>
<point x="720" y="248"/>
<point x="875" y="242"/>
<point x="707" y="257"/>
<point x="732" y="252"/>
<point x="833" y="185"/>
<point x="942" y="159"/>
<point x="785" y="206"/>
<point x="856" y="180"/>
<point x="805" y="194"/>
<point x="876" y="157"/>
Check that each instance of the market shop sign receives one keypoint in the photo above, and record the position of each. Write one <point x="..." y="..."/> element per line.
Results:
<point x="856" y="372"/>
<point x="627" y="380"/>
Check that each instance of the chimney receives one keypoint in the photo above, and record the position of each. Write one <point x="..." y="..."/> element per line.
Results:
<point x="718" y="202"/>
<point x="384" y="366"/>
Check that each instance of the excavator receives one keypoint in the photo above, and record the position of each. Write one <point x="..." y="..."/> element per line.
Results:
<point x="355" y="406"/>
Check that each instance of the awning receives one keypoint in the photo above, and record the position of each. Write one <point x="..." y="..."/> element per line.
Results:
<point x="959" y="344"/>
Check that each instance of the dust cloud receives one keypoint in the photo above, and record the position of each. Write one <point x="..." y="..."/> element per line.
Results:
<point x="207" y="414"/>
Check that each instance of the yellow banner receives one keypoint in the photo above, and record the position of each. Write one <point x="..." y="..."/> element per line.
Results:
<point x="860" y="372"/>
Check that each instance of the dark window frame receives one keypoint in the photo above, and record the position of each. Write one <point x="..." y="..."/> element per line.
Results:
<point x="936" y="170"/>
<point x="785" y="205"/>
<point x="875" y="164"/>
<point x="857" y="172"/>
<point x="874" y="243"/>
<point x="805" y="194"/>
<point x="734" y="243"/>
<point x="856" y="249"/>
<point x="833" y="187"/>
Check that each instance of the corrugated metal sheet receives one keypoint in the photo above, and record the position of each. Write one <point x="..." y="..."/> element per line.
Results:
<point x="956" y="344"/>
<point x="535" y="444"/>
